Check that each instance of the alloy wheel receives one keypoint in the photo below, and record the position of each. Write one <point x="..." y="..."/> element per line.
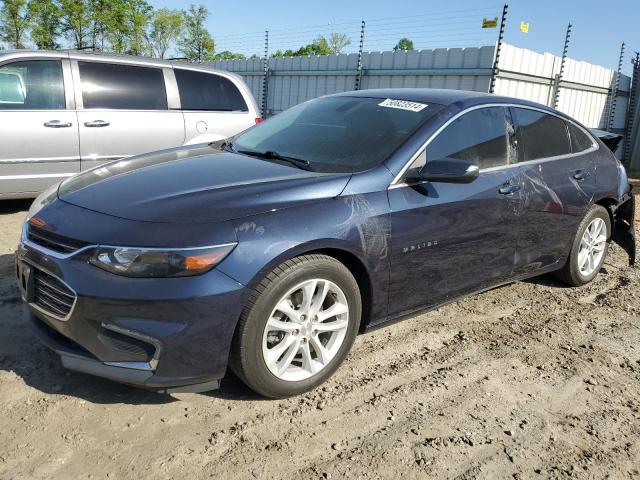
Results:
<point x="305" y="330"/>
<point x="592" y="247"/>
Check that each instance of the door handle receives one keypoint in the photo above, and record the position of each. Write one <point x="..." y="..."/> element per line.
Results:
<point x="57" y="124"/>
<point x="580" y="175"/>
<point x="96" y="124"/>
<point x="509" y="189"/>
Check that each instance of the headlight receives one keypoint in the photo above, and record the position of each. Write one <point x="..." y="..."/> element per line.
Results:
<point x="157" y="262"/>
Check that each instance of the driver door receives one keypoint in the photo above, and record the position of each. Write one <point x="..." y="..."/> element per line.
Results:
<point x="450" y="239"/>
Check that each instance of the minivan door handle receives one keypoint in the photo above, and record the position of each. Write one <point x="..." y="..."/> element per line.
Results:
<point x="57" y="124"/>
<point x="509" y="188"/>
<point x="96" y="124"/>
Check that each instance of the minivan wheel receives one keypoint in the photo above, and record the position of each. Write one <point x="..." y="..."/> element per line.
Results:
<point x="298" y="326"/>
<point x="589" y="248"/>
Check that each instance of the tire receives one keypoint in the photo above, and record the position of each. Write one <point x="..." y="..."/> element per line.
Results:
<point x="256" y="348"/>
<point x="571" y="273"/>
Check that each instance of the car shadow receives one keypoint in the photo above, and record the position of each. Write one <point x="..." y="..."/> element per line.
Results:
<point x="15" y="206"/>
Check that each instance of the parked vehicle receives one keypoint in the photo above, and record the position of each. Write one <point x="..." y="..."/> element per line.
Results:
<point x="64" y="112"/>
<point x="270" y="251"/>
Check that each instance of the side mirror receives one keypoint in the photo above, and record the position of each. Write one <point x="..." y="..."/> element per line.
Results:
<point x="449" y="170"/>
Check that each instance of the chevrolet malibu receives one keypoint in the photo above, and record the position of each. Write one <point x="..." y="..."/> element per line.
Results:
<point x="268" y="252"/>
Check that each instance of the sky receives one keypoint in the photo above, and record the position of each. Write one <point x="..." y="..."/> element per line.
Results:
<point x="598" y="27"/>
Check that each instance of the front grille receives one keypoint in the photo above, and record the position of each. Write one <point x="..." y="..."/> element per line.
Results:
<point x="51" y="295"/>
<point x="135" y="349"/>
<point x="53" y="241"/>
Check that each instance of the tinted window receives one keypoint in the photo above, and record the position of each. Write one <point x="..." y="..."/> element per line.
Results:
<point x="338" y="134"/>
<point x="106" y="85"/>
<point x="205" y="91"/>
<point x="479" y="136"/>
<point x="540" y="135"/>
<point x="32" y="85"/>
<point x="580" y="141"/>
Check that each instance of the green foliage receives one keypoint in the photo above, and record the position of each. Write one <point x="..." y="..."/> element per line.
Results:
<point x="14" y="21"/>
<point x="166" y="28"/>
<point x="77" y="21"/>
<point x="196" y="43"/>
<point x="44" y="19"/>
<point x="227" y="55"/>
<point x="320" y="46"/>
<point x="403" y="44"/>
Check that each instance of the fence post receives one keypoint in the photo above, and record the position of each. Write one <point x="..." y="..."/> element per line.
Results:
<point x="631" y="111"/>
<point x="496" y="57"/>
<point x="614" y="90"/>
<point x="265" y="75"/>
<point x="360" y="50"/>
<point x="556" y="93"/>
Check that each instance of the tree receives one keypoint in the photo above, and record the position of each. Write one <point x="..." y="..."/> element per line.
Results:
<point x="337" y="42"/>
<point x="403" y="44"/>
<point x="14" y="21"/>
<point x="166" y="27"/>
<point x="138" y="17"/>
<point x="227" y="55"/>
<point x="44" y="20"/>
<point x="77" y="21"/>
<point x="196" y="43"/>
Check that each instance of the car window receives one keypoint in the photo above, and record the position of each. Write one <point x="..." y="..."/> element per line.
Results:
<point x="122" y="87"/>
<point x="206" y="91"/>
<point x="580" y="141"/>
<point x="479" y="136"/>
<point x="339" y="134"/>
<point x="32" y="85"/>
<point x="540" y="135"/>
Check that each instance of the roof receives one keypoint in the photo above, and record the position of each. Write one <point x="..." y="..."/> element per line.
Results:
<point x="464" y="98"/>
<point x="111" y="57"/>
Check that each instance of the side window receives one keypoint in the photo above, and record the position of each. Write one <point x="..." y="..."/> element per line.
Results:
<point x="32" y="85"/>
<point x="479" y="136"/>
<point x="209" y="92"/>
<point x="580" y="141"/>
<point x="122" y="87"/>
<point x="540" y="135"/>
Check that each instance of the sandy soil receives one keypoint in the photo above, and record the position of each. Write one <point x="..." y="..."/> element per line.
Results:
<point x="531" y="380"/>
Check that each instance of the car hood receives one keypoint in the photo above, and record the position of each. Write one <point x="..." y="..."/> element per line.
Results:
<point x="196" y="185"/>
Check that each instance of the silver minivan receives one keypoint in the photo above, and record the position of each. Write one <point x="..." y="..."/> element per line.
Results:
<point x="63" y="112"/>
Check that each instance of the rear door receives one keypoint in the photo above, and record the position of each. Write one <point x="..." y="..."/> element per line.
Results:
<point x="38" y="126"/>
<point x="213" y="106"/>
<point x="451" y="239"/>
<point x="559" y="184"/>
<point x="123" y="111"/>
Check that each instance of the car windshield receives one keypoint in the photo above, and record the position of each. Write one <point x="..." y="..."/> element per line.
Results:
<point x="337" y="134"/>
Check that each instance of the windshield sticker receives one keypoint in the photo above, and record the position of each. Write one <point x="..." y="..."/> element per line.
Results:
<point x="403" y="105"/>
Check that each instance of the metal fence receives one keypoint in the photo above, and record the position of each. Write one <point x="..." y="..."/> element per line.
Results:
<point x="585" y="90"/>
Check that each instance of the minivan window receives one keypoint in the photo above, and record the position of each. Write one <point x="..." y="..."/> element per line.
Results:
<point x="479" y="136"/>
<point x="206" y="91"/>
<point x="580" y="141"/>
<point x="540" y="135"/>
<point x="122" y="87"/>
<point x="32" y="85"/>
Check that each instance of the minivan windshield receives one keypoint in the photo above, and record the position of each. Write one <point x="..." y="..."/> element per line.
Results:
<point x="336" y="134"/>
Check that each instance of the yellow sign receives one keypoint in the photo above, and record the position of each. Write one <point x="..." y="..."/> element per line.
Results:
<point x="524" y="27"/>
<point x="490" y="22"/>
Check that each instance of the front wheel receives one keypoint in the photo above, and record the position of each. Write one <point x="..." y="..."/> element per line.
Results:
<point x="589" y="248"/>
<point x="298" y="326"/>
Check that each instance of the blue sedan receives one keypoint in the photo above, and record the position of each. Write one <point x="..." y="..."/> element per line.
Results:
<point x="267" y="253"/>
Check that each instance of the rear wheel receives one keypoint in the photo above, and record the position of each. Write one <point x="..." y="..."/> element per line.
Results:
<point x="589" y="248"/>
<point x="298" y="327"/>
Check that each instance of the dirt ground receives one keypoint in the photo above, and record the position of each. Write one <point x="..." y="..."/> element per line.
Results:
<point x="530" y="380"/>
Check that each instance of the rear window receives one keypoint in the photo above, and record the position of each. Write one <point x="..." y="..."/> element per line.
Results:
<point x="122" y="87"/>
<point x="540" y="135"/>
<point x="209" y="92"/>
<point x="580" y="141"/>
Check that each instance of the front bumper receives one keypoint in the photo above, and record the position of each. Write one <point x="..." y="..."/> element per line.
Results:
<point x="170" y="334"/>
